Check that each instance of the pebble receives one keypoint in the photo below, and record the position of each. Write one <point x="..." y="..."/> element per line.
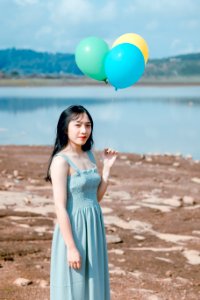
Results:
<point x="139" y="237"/>
<point x="39" y="267"/>
<point x="188" y="200"/>
<point x="149" y="159"/>
<point x="176" y="164"/>
<point x="15" y="173"/>
<point x="121" y="260"/>
<point x="117" y="251"/>
<point x="42" y="283"/>
<point x="118" y="271"/>
<point x="169" y="273"/>
<point x="28" y="200"/>
<point x="195" y="179"/>
<point x="113" y="239"/>
<point x="22" y="281"/>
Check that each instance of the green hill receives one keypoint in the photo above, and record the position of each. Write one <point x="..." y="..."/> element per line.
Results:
<point x="29" y="63"/>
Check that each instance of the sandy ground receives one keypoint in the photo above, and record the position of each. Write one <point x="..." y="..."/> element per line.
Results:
<point x="85" y="81"/>
<point x="151" y="214"/>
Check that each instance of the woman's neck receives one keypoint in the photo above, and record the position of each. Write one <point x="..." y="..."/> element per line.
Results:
<point x="73" y="148"/>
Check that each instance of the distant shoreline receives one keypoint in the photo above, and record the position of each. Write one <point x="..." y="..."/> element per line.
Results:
<point x="62" y="82"/>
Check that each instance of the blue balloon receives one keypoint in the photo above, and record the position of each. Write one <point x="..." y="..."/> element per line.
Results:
<point x="124" y="65"/>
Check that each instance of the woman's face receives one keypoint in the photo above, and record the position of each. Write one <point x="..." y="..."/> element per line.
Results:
<point x="79" y="130"/>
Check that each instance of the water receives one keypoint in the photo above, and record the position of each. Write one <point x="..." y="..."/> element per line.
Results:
<point x="139" y="119"/>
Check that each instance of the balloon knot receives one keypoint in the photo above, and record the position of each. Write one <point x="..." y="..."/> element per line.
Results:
<point x="105" y="80"/>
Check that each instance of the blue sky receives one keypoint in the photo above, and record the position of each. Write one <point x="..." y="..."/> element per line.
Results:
<point x="170" y="27"/>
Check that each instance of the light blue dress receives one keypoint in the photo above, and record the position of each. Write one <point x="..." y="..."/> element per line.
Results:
<point x="91" y="282"/>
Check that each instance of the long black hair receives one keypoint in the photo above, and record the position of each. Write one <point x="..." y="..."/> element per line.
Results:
<point x="61" y="141"/>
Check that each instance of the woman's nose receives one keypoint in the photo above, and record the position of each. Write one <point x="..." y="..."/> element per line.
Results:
<point x="83" y="129"/>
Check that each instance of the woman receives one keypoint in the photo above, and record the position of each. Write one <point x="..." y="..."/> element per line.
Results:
<point x="79" y="262"/>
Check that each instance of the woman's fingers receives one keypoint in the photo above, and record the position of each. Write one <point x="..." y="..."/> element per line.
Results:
<point x="75" y="264"/>
<point x="78" y="265"/>
<point x="110" y="151"/>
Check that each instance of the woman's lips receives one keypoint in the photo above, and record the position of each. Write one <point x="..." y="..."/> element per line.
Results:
<point x="82" y="137"/>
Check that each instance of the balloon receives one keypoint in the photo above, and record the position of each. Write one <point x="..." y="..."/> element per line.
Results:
<point x="90" y="56"/>
<point x="124" y="65"/>
<point x="135" y="39"/>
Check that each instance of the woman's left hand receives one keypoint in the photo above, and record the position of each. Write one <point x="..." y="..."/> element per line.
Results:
<point x="109" y="157"/>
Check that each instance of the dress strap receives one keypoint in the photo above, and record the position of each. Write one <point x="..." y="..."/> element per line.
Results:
<point x="66" y="158"/>
<point x="91" y="156"/>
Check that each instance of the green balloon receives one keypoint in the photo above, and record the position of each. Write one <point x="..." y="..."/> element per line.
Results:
<point x="90" y="56"/>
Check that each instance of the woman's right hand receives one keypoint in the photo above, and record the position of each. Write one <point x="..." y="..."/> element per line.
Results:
<point x="74" y="258"/>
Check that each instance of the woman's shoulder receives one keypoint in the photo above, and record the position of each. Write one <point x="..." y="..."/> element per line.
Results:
<point x="59" y="161"/>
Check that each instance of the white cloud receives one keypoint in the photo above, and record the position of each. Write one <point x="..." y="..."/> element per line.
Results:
<point x="74" y="12"/>
<point x="59" y="25"/>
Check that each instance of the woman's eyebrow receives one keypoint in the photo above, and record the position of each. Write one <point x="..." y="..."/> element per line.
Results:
<point x="83" y="122"/>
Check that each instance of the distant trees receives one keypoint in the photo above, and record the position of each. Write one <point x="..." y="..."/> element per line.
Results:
<point x="29" y="63"/>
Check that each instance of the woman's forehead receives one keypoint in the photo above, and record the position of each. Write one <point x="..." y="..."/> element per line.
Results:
<point x="83" y="117"/>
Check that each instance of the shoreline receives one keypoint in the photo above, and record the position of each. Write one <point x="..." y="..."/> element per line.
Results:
<point x="74" y="82"/>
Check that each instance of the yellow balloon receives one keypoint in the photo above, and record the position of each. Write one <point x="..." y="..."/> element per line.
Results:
<point x="135" y="39"/>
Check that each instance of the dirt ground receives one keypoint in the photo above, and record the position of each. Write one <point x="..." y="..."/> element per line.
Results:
<point x="151" y="214"/>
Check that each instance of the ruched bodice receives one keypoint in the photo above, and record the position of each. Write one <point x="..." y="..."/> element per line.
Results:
<point x="82" y="189"/>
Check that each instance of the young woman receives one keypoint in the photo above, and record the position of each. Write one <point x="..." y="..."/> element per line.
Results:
<point x="79" y="261"/>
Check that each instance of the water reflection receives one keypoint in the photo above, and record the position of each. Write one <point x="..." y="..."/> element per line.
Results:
<point x="130" y="123"/>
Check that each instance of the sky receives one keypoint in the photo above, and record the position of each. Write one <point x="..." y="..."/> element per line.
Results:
<point x="170" y="27"/>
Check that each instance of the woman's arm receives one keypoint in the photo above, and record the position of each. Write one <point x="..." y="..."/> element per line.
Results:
<point x="59" y="169"/>
<point x="109" y="157"/>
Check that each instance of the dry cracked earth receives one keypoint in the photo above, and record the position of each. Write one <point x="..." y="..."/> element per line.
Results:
<point x="151" y="214"/>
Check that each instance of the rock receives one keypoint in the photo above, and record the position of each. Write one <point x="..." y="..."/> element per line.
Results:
<point x="42" y="283"/>
<point x="20" y="177"/>
<point x="113" y="239"/>
<point x="39" y="267"/>
<point x="195" y="179"/>
<point x="117" y="251"/>
<point x="169" y="273"/>
<point x="139" y="237"/>
<point x="28" y="200"/>
<point x="110" y="228"/>
<point x="118" y="271"/>
<point x="121" y="259"/>
<point x="148" y="159"/>
<point x="22" y="281"/>
<point x="33" y="181"/>
<point x="188" y="200"/>
<point x="15" y="173"/>
<point x="176" y="164"/>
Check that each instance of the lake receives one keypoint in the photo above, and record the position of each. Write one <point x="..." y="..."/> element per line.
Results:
<point x="138" y="119"/>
